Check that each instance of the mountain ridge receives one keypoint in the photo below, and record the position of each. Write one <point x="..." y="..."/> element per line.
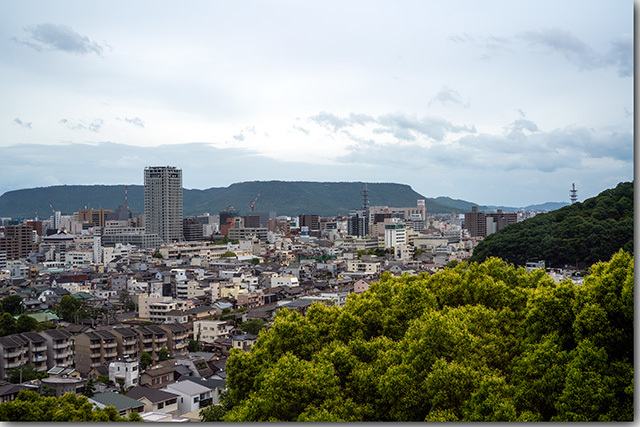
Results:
<point x="283" y="197"/>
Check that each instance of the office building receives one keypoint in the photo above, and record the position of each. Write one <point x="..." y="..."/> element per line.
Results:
<point x="163" y="202"/>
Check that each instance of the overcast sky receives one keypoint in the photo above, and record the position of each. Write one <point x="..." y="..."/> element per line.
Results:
<point x="495" y="102"/>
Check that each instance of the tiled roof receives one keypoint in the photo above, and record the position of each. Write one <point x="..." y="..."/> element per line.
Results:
<point x="119" y="401"/>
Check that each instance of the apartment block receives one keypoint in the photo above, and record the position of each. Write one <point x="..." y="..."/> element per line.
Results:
<point x="60" y="347"/>
<point x="17" y="241"/>
<point x="94" y="349"/>
<point x="127" y="342"/>
<point x="14" y="353"/>
<point x="151" y="339"/>
<point x="177" y="338"/>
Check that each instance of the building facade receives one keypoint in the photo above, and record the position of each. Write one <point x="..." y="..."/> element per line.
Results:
<point x="163" y="202"/>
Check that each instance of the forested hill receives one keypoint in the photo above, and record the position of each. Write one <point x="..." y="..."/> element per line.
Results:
<point x="582" y="233"/>
<point x="282" y="197"/>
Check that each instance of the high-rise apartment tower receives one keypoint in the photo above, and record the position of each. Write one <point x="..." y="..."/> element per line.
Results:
<point x="163" y="202"/>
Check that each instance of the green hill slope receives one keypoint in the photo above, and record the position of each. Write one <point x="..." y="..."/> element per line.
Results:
<point x="285" y="198"/>
<point x="582" y="233"/>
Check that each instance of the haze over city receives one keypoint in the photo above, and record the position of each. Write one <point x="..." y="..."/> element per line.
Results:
<point x="495" y="102"/>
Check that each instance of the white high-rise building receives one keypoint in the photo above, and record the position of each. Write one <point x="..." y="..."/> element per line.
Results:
<point x="163" y="202"/>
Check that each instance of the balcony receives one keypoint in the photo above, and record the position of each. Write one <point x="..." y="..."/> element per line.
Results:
<point x="39" y="348"/>
<point x="63" y="344"/>
<point x="94" y="344"/>
<point x="13" y="364"/>
<point x="62" y="354"/>
<point x="14" y="353"/>
<point x="111" y="344"/>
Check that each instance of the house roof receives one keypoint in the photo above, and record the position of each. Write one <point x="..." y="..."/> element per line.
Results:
<point x="119" y="401"/>
<point x="153" y="395"/>
<point x="210" y="383"/>
<point x="188" y="387"/>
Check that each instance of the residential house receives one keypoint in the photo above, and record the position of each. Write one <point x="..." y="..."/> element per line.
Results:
<point x="123" y="404"/>
<point x="125" y="370"/>
<point x="244" y="342"/>
<point x="154" y="400"/>
<point x="192" y="396"/>
<point x="216" y="386"/>
<point x="157" y="376"/>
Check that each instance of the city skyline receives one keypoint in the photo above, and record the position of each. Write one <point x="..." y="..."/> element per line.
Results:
<point x="498" y="103"/>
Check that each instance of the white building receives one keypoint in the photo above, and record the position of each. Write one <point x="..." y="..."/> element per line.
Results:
<point x="395" y="233"/>
<point x="191" y="395"/>
<point x="124" y="369"/>
<point x="284" y="281"/>
<point x="208" y="331"/>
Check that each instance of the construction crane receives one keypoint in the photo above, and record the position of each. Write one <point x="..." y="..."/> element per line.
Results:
<point x="252" y="204"/>
<point x="51" y="206"/>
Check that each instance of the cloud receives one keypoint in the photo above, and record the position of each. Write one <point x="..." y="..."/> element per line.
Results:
<point x="447" y="95"/>
<point x="563" y="42"/>
<point x="135" y="121"/>
<point x="26" y="125"/>
<point x="301" y="129"/>
<point x="403" y="127"/>
<point x="522" y="146"/>
<point x="620" y="55"/>
<point x="93" y="126"/>
<point x="239" y="137"/>
<point x="53" y="37"/>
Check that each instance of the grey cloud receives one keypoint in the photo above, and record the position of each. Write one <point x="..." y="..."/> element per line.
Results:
<point x="136" y="121"/>
<point x="565" y="43"/>
<point x="93" y="126"/>
<point x="26" y="125"/>
<point x="400" y="126"/>
<point x="301" y="129"/>
<point x="540" y="151"/>
<point x="239" y="137"/>
<point x="329" y="119"/>
<point x="447" y="95"/>
<point x="492" y="45"/>
<point x="59" y="37"/>
<point x="621" y="55"/>
<point x="574" y="50"/>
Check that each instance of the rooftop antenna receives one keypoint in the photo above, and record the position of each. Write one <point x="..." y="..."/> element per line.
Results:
<point x="573" y="194"/>
<point x="365" y="197"/>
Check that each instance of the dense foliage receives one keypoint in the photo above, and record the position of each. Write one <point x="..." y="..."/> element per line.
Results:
<point x="585" y="232"/>
<point x="29" y="406"/>
<point x="478" y="342"/>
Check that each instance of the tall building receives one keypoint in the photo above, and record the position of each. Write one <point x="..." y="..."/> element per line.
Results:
<point x="17" y="241"/>
<point x="475" y="222"/>
<point x="163" y="202"/>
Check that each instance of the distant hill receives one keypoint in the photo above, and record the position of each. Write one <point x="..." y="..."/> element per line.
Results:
<point x="582" y="233"/>
<point x="285" y="198"/>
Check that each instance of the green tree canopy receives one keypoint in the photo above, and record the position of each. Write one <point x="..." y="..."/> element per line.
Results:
<point x="68" y="308"/>
<point x="12" y="304"/>
<point x="476" y="342"/>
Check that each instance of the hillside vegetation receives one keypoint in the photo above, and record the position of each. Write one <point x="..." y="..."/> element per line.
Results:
<point x="582" y="233"/>
<point x="285" y="198"/>
<point x="480" y="342"/>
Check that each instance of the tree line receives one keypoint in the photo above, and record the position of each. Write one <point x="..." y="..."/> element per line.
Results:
<point x="581" y="233"/>
<point x="477" y="342"/>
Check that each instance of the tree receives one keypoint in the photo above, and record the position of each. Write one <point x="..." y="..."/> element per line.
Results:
<point x="32" y="407"/>
<point x="12" y="304"/>
<point x="89" y="389"/>
<point x="24" y="373"/>
<point x="104" y="379"/>
<point x="26" y="323"/>
<point x="164" y="354"/>
<point x="228" y="254"/>
<point x="68" y="308"/>
<point x="253" y="326"/>
<point x="7" y="324"/>
<point x="476" y="342"/>
<point x="145" y="360"/>
<point x="193" y="346"/>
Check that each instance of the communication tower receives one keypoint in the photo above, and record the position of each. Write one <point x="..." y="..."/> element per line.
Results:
<point x="573" y="194"/>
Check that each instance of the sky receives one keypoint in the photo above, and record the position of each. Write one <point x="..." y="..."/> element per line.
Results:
<point x="497" y="102"/>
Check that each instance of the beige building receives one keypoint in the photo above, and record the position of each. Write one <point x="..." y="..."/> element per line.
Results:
<point x="94" y="349"/>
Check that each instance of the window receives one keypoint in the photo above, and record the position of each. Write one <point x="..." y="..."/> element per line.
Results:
<point x="160" y="405"/>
